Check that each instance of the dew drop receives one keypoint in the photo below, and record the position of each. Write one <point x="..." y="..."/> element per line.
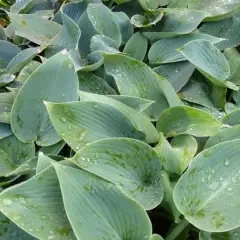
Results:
<point x="7" y="202"/>
<point x="227" y="162"/>
<point x="213" y="186"/>
<point x="70" y="65"/>
<point x="63" y="119"/>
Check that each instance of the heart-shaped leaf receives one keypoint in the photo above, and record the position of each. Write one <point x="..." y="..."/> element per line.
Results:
<point x="187" y="120"/>
<point x="142" y="123"/>
<point x="176" y="156"/>
<point x="165" y="50"/>
<point x="215" y="10"/>
<point x="227" y="29"/>
<point x="43" y="85"/>
<point x="80" y="123"/>
<point x="136" y="46"/>
<point x="209" y="61"/>
<point x="135" y="78"/>
<point x="102" y="206"/>
<point x="204" y="205"/>
<point x="25" y="26"/>
<point x="129" y="163"/>
<point x="36" y="206"/>
<point x="176" y="22"/>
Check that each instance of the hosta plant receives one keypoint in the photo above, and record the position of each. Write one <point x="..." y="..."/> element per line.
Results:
<point x="119" y="120"/>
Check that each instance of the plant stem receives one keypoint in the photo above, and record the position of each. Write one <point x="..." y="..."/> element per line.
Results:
<point x="177" y="230"/>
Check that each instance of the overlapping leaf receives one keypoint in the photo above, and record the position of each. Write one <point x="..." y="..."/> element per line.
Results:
<point x="102" y="206"/>
<point x="187" y="120"/>
<point x="43" y="85"/>
<point x="213" y="173"/>
<point x="80" y="123"/>
<point x="135" y="78"/>
<point x="129" y="163"/>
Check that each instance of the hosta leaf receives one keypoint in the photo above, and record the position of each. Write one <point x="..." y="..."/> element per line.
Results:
<point x="5" y="79"/>
<point x="74" y="10"/>
<point x="22" y="59"/>
<point x="135" y="78"/>
<point x="25" y="26"/>
<point x="224" y="135"/>
<point x="18" y="151"/>
<point x="215" y="10"/>
<point x="80" y="123"/>
<point x="136" y="46"/>
<point x="231" y="235"/>
<point x="232" y="118"/>
<point x="187" y="120"/>
<point x="141" y="122"/>
<point x="8" y="51"/>
<point x="27" y="71"/>
<point x="9" y="230"/>
<point x="156" y="237"/>
<point x="196" y="92"/>
<point x="53" y="149"/>
<point x="176" y="156"/>
<point x="139" y="104"/>
<point x="6" y="164"/>
<point x="68" y="36"/>
<point x="5" y="130"/>
<point x="178" y="73"/>
<point x="227" y="29"/>
<point x="28" y="167"/>
<point x="87" y="32"/>
<point x="129" y="163"/>
<point x="101" y="206"/>
<point x="103" y="21"/>
<point x="233" y="57"/>
<point x="213" y="173"/>
<point x="141" y="21"/>
<point x="43" y="85"/>
<point x="209" y="61"/>
<point x="176" y="22"/>
<point x="165" y="50"/>
<point x="124" y="24"/>
<point x="103" y="44"/>
<point x="43" y="162"/>
<point x="36" y="206"/>
<point x="89" y="82"/>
